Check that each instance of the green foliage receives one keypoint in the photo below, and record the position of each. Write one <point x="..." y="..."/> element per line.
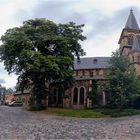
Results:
<point x="120" y="113"/>
<point x="90" y="113"/>
<point x="98" y="86"/>
<point x="93" y="95"/>
<point x="136" y="103"/>
<point x="123" y="82"/>
<point x="82" y="113"/>
<point x="43" y="52"/>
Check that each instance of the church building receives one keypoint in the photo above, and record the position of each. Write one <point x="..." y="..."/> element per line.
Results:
<point x="90" y="69"/>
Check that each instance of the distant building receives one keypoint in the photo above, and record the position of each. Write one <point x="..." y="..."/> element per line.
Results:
<point x="8" y="96"/>
<point x="2" y="94"/>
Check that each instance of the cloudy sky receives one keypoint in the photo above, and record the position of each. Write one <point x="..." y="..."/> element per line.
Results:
<point x="103" y="19"/>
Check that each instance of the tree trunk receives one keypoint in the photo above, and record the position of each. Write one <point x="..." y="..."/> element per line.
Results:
<point x="39" y="92"/>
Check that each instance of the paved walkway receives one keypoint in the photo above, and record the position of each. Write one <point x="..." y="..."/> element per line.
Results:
<point x="20" y="125"/>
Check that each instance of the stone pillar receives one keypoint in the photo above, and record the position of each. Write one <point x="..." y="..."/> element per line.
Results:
<point x="89" y="103"/>
<point x="66" y="103"/>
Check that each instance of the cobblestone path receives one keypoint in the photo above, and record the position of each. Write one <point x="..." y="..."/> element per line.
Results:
<point x="17" y="124"/>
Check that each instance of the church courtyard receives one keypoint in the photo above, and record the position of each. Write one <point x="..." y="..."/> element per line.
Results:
<point x="22" y="125"/>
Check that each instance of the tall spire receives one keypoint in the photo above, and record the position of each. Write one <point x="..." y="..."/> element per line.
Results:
<point x="131" y="21"/>
<point x="135" y="45"/>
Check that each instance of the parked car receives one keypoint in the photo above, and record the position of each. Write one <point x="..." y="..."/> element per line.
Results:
<point x="15" y="103"/>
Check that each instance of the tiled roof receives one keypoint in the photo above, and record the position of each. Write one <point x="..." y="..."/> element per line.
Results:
<point x="92" y="63"/>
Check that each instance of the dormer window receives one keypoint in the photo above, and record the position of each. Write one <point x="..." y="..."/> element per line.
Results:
<point x="95" y="61"/>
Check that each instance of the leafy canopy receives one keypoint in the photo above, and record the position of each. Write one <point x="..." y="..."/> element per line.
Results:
<point x="41" y="50"/>
<point x="123" y="82"/>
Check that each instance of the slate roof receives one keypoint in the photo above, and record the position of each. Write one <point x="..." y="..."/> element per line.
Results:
<point x="131" y="21"/>
<point x="92" y="63"/>
<point x="135" y="45"/>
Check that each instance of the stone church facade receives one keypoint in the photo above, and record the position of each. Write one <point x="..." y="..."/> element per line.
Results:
<point x="90" y="69"/>
<point x="86" y="70"/>
<point x="130" y="42"/>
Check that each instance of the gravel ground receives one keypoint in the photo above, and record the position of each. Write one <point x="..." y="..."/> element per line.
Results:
<point x="17" y="124"/>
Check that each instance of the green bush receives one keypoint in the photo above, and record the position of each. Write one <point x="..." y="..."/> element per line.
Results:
<point x="136" y="103"/>
<point x="120" y="113"/>
<point x="37" y="107"/>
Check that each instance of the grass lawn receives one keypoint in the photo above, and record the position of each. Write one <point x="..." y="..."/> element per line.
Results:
<point x="89" y="113"/>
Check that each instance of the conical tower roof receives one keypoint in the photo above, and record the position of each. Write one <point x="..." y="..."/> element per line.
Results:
<point x="135" y="45"/>
<point x="131" y="21"/>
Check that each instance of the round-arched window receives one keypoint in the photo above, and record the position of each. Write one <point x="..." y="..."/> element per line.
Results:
<point x="75" y="95"/>
<point x="82" y="92"/>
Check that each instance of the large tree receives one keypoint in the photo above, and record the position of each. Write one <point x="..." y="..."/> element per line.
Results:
<point x="40" y="52"/>
<point x="123" y="81"/>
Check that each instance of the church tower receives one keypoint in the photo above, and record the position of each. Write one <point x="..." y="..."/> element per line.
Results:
<point x="130" y="41"/>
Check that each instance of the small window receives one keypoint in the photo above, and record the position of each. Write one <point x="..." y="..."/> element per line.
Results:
<point x="83" y="72"/>
<point x="130" y="40"/>
<point x="132" y="58"/>
<point x="77" y="73"/>
<point x="91" y="73"/>
<point x="80" y="73"/>
<point x="97" y="72"/>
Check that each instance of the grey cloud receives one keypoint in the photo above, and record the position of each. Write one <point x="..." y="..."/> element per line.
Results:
<point x="110" y="24"/>
<point x="53" y="9"/>
<point x="22" y="15"/>
<point x="59" y="11"/>
<point x="2" y="81"/>
<point x="63" y="11"/>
